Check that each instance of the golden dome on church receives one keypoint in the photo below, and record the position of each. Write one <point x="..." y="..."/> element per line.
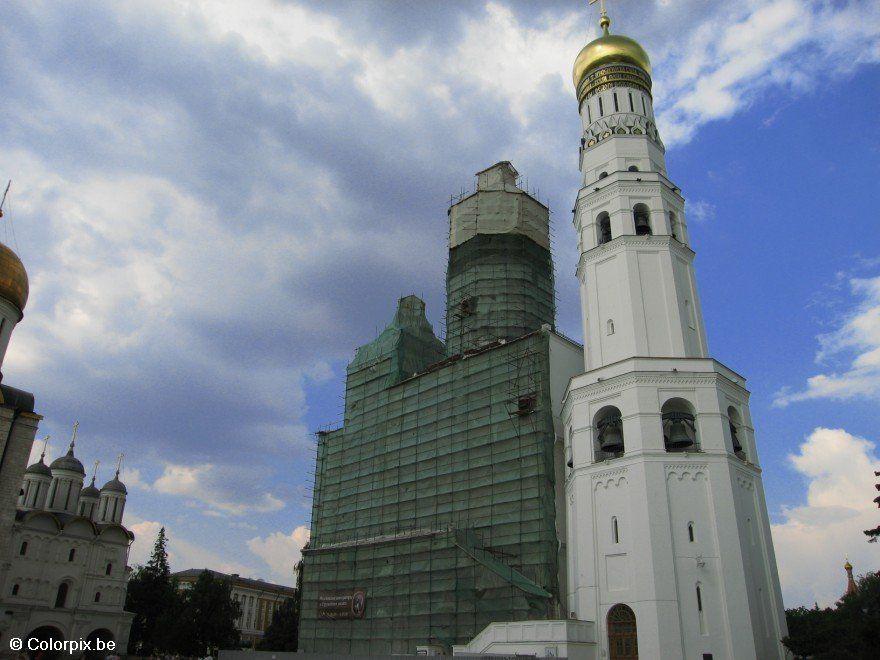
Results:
<point x="607" y="49"/>
<point x="13" y="278"/>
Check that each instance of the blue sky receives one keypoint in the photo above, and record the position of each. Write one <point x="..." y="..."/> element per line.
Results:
<point x="217" y="201"/>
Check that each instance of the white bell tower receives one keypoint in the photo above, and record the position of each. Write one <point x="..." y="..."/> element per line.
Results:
<point x="669" y="548"/>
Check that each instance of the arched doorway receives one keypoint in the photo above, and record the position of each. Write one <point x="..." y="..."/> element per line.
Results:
<point x="622" y="641"/>
<point x="44" y="634"/>
<point x="105" y="636"/>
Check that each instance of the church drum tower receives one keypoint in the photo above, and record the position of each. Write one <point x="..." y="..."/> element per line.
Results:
<point x="669" y="546"/>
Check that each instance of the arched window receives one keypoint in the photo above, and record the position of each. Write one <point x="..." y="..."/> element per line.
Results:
<point x="22" y="551"/>
<point x="61" y="595"/>
<point x="673" y="226"/>
<point x="700" y="613"/>
<point x="609" y="327"/>
<point x="632" y="168"/>
<point x="615" y="530"/>
<point x="71" y="555"/>
<point x="641" y="217"/>
<point x="622" y="633"/>
<point x="734" y="421"/>
<point x="570" y="448"/>
<point x="691" y="532"/>
<point x="97" y="596"/>
<point x="609" y="433"/>
<point x="14" y="589"/>
<point x="604" y="224"/>
<point x="109" y="569"/>
<point x="679" y="426"/>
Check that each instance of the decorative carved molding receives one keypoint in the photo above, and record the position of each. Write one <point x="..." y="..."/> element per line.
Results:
<point x="600" y="389"/>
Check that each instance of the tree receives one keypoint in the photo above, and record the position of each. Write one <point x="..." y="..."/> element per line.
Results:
<point x="851" y="630"/>
<point x="206" y="619"/>
<point x="283" y="632"/>
<point x="151" y="593"/>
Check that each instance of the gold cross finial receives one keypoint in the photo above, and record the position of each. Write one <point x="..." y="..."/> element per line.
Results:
<point x="604" y="21"/>
<point x="95" y="471"/>
<point x="45" y="445"/>
<point x="119" y="464"/>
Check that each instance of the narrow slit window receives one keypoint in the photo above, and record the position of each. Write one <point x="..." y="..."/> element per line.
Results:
<point x="691" y="532"/>
<point x="97" y="596"/>
<point x="23" y="549"/>
<point x="71" y="555"/>
<point x="616" y="108"/>
<point x="615" y="530"/>
<point x="601" y="108"/>
<point x="700" y="613"/>
<point x="644" y="107"/>
<point x="589" y="114"/>
<point x="14" y="589"/>
<point x="631" y="106"/>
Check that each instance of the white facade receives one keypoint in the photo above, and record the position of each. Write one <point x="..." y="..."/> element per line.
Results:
<point x="665" y="505"/>
<point x="64" y="574"/>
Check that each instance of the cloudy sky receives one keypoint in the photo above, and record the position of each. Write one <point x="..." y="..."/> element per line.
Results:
<point x="218" y="200"/>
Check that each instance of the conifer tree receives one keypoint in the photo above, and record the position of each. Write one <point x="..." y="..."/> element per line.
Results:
<point x="151" y="593"/>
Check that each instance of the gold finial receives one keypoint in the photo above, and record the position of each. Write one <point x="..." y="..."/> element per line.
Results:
<point x="119" y="464"/>
<point x="604" y="21"/>
<point x="45" y="446"/>
<point x="95" y="471"/>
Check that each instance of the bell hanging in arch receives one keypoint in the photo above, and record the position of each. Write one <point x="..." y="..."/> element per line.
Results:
<point x="612" y="439"/>
<point x="679" y="438"/>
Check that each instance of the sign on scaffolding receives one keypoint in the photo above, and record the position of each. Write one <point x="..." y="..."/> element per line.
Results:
<point x="336" y="606"/>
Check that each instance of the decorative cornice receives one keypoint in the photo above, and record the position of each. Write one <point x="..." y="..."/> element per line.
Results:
<point x="594" y="390"/>
<point x="629" y="241"/>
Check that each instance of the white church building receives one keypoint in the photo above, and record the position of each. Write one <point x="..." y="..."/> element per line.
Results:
<point x="667" y="538"/>
<point x="63" y="548"/>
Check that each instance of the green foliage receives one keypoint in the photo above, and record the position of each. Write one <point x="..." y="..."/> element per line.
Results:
<point x="205" y="619"/>
<point x="851" y="630"/>
<point x="283" y="632"/>
<point x="151" y="592"/>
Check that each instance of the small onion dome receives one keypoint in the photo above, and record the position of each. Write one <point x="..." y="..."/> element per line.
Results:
<point x="607" y="49"/>
<point x="115" y="485"/>
<point x="13" y="278"/>
<point x="68" y="462"/>
<point x="847" y="566"/>
<point x="90" y="490"/>
<point x="39" y="468"/>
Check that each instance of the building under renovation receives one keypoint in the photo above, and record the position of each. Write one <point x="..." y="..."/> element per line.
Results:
<point x="435" y="505"/>
<point x="511" y="492"/>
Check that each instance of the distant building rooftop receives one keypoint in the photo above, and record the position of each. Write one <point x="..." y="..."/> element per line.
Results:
<point x="192" y="574"/>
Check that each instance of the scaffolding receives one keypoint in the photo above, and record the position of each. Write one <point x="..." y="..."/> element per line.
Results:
<point x="435" y="499"/>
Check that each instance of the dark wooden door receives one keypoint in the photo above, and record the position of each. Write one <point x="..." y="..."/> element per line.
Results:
<point x="622" y="639"/>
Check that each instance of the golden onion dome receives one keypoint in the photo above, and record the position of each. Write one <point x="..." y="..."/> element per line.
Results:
<point x="13" y="278"/>
<point x="607" y="49"/>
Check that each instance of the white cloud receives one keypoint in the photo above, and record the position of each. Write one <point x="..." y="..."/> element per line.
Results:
<point x="859" y="338"/>
<point x="281" y="551"/>
<point x="700" y="211"/>
<point x="182" y="554"/>
<point x="813" y="539"/>
<point x="726" y="60"/>
<point x="207" y="485"/>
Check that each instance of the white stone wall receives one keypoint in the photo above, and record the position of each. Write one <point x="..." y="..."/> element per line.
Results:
<point x="652" y="496"/>
<point x="47" y="562"/>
